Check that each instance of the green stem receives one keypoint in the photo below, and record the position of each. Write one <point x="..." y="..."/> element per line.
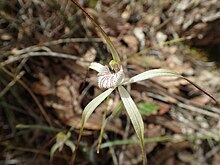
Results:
<point x="143" y="153"/>
<point x="41" y="127"/>
<point x="103" y="125"/>
<point x="131" y="141"/>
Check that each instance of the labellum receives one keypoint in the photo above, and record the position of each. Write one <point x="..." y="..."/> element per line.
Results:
<point x="106" y="79"/>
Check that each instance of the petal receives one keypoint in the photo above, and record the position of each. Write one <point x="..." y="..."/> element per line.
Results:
<point x="96" y="66"/>
<point x="93" y="104"/>
<point x="54" y="149"/>
<point x="71" y="145"/>
<point x="133" y="113"/>
<point x="112" y="80"/>
<point x="151" y="74"/>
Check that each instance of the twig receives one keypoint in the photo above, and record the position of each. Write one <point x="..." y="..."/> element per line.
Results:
<point x="42" y="46"/>
<point x="35" y="54"/>
<point x="69" y="40"/>
<point x="198" y="110"/>
<point x="12" y="83"/>
<point x="212" y="152"/>
<point x="29" y="49"/>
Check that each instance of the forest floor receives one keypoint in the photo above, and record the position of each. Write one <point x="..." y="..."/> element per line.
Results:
<point x="46" y="48"/>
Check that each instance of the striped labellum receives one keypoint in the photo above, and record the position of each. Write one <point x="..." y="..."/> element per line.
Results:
<point x="106" y="79"/>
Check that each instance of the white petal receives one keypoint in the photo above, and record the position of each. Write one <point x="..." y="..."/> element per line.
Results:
<point x="54" y="149"/>
<point x="93" y="104"/>
<point x="151" y="74"/>
<point x="71" y="145"/>
<point x="133" y="113"/>
<point x="96" y="66"/>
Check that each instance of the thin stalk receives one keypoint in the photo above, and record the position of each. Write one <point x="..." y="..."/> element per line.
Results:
<point x="41" y="127"/>
<point x="143" y="153"/>
<point x="103" y="125"/>
<point x="12" y="83"/>
<point x="132" y="141"/>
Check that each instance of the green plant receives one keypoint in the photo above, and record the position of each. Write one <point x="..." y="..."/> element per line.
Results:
<point x="61" y="140"/>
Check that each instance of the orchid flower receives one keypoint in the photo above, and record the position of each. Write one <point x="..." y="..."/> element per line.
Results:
<point x="111" y="81"/>
<point x="61" y="140"/>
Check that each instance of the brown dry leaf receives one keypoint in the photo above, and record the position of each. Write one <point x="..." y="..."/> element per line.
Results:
<point x="216" y="159"/>
<point x="146" y="61"/>
<point x="173" y="61"/>
<point x="132" y="155"/>
<point x="186" y="157"/>
<point x="66" y="103"/>
<point x="164" y="108"/>
<point x="167" y="152"/>
<point x="5" y="37"/>
<point x="126" y="13"/>
<point x="165" y="122"/>
<point x="201" y="100"/>
<point x="209" y="80"/>
<point x="43" y="87"/>
<point x="93" y="123"/>
<point x="171" y="83"/>
<point x="131" y="42"/>
<point x="170" y="161"/>
<point x="153" y="131"/>
<point x="127" y="46"/>
<point x="111" y="22"/>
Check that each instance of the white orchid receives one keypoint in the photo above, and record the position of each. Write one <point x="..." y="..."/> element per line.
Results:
<point x="111" y="81"/>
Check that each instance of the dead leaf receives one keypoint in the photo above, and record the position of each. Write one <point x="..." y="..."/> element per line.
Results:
<point x="201" y="100"/>
<point x="42" y="87"/>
